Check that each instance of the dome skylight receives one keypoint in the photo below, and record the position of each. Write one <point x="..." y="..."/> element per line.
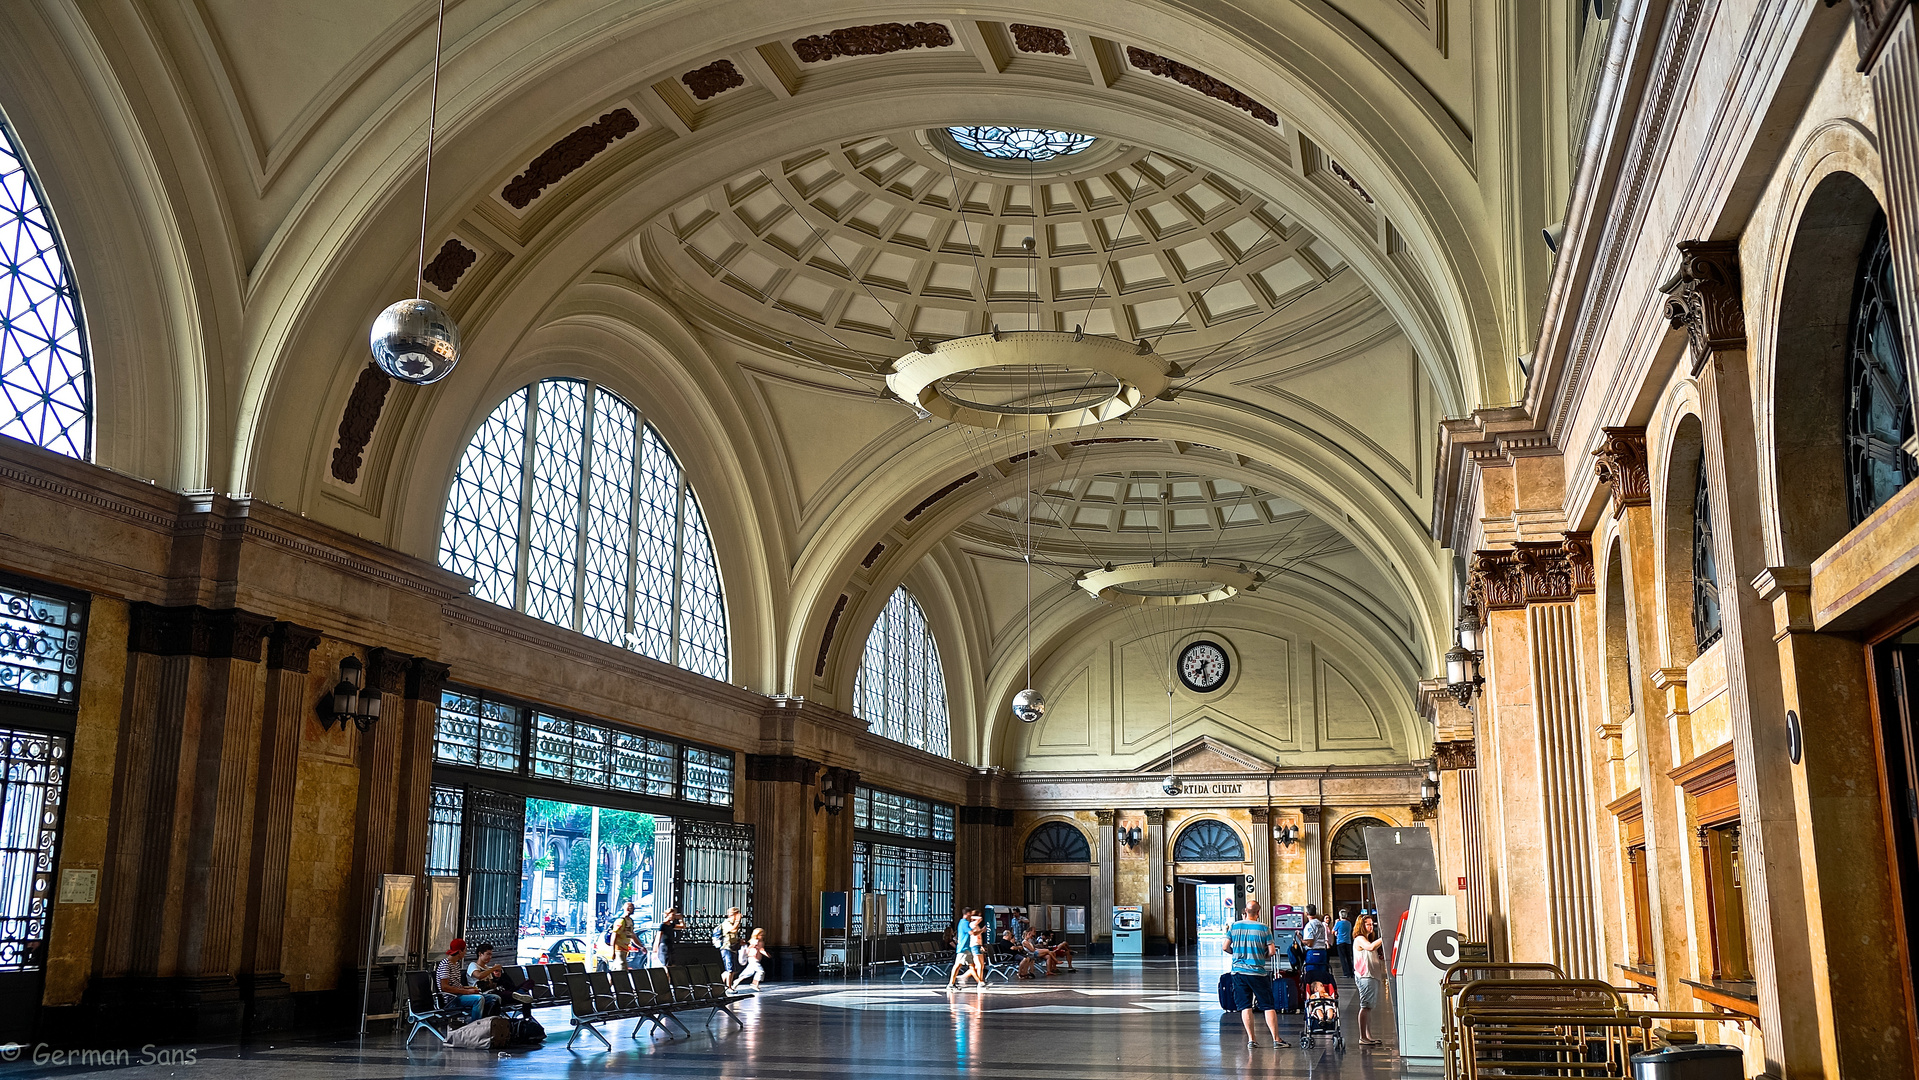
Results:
<point x="1019" y="143"/>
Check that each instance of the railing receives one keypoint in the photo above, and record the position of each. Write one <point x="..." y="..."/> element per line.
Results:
<point x="1537" y="1024"/>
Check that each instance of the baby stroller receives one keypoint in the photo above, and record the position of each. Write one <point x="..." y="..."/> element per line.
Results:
<point x="1321" y="1019"/>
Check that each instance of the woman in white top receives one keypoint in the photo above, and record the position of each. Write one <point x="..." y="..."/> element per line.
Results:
<point x="1367" y="962"/>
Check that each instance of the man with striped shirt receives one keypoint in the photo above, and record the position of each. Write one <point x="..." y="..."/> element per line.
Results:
<point x="1251" y="943"/>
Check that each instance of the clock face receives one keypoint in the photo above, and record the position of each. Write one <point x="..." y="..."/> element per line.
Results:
<point x="1203" y="667"/>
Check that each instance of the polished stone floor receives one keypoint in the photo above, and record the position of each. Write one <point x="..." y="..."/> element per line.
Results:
<point x="1150" y="1018"/>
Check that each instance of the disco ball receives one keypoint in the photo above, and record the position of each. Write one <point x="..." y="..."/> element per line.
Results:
<point x="1172" y="785"/>
<point x="1029" y="705"/>
<point x="416" y="341"/>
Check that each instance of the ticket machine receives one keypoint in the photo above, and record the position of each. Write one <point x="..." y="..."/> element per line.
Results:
<point x="1129" y="930"/>
<point x="1426" y="945"/>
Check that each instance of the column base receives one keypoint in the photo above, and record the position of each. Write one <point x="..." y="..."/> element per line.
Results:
<point x="269" y="1002"/>
<point x="136" y="1011"/>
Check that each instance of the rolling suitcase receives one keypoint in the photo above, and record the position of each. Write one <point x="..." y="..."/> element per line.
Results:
<point x="1228" y="994"/>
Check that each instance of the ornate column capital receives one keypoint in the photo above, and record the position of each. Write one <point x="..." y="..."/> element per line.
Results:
<point x="290" y="647"/>
<point x="1309" y="814"/>
<point x="1261" y="814"/>
<point x="386" y="670"/>
<point x="197" y="631"/>
<point x="1494" y="581"/>
<point x="1460" y="754"/>
<point x="425" y="679"/>
<point x="1423" y="812"/>
<point x="1620" y="463"/>
<point x="1553" y="572"/>
<point x="1106" y="817"/>
<point x="1156" y="816"/>
<point x="1703" y="298"/>
<point x="781" y="768"/>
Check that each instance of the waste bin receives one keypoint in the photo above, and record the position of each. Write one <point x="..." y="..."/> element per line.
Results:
<point x="1707" y="1061"/>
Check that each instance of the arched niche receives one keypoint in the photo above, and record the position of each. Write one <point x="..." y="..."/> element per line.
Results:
<point x="1677" y="492"/>
<point x="1809" y="384"/>
<point x="1616" y="640"/>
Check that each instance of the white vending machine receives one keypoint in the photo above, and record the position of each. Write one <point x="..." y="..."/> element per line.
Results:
<point x="1426" y="945"/>
<point x="1129" y="931"/>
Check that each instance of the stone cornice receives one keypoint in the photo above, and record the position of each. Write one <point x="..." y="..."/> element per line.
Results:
<point x="1703" y="299"/>
<point x="1620" y="463"/>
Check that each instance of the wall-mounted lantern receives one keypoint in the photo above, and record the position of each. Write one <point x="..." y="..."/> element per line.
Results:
<point x="351" y="699"/>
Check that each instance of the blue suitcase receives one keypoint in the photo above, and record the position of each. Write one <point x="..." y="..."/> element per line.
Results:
<point x="1286" y="996"/>
<point x="1228" y="994"/>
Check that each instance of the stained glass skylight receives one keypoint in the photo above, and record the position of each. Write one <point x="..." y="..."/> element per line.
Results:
<point x="600" y="533"/>
<point x="1019" y="143"/>
<point x="46" y="397"/>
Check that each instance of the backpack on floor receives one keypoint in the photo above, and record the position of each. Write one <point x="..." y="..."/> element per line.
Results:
<point x="526" y="1031"/>
<point x="486" y="1033"/>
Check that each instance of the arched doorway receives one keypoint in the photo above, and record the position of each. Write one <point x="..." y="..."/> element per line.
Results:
<point x="1352" y="871"/>
<point x="1209" y="864"/>
<point x="1058" y="863"/>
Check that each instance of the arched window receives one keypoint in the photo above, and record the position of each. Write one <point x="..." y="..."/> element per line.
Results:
<point x="1705" y="572"/>
<point x="44" y="376"/>
<point x="1057" y="842"/>
<point x="1349" y="844"/>
<point x="1209" y="841"/>
<point x="1878" y="402"/>
<point x="569" y="507"/>
<point x="899" y="689"/>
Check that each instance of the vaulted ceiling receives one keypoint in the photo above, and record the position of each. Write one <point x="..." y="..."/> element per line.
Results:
<point x="737" y="212"/>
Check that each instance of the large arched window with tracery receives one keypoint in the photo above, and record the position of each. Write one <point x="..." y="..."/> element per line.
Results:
<point x="568" y="506"/>
<point x="46" y="394"/>
<point x="899" y="690"/>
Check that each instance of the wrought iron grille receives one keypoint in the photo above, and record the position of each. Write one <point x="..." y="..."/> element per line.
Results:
<point x="918" y="883"/>
<point x="33" y="781"/>
<point x="593" y="756"/>
<point x="40" y="641"/>
<point x="900" y="690"/>
<point x="445" y="817"/>
<point x="1057" y="842"/>
<point x="472" y="730"/>
<point x="1878" y="400"/>
<point x="1209" y="841"/>
<point x="1705" y="572"/>
<point x="901" y="815"/>
<point x="1019" y="143"/>
<point x="46" y="385"/>
<point x="1349" y="845"/>
<point x="712" y="871"/>
<point x="709" y="776"/>
<point x="569" y="507"/>
<point x="494" y="840"/>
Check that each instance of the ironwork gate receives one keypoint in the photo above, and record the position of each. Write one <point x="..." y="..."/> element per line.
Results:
<point x="712" y="871"/>
<point x="33" y="781"/>
<point x="494" y="837"/>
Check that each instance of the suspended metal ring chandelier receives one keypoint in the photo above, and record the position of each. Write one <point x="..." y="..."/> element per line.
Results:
<point x="1169" y="584"/>
<point x="1119" y="377"/>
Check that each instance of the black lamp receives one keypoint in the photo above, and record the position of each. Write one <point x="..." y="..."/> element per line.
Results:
<point x="1463" y="679"/>
<point x="831" y="799"/>
<point x="352" y="699"/>
<point x="1287" y="835"/>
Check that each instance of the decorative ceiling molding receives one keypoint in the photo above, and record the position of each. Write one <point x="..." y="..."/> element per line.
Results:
<point x="927" y="503"/>
<point x="1039" y="39"/>
<point x="876" y="39"/>
<point x="1198" y="80"/>
<point x="826" y="638"/>
<point x="565" y="157"/>
<point x="452" y="261"/>
<point x="715" y="78"/>
<point x="362" y="415"/>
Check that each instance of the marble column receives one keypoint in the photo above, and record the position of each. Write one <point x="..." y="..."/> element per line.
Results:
<point x="1311" y="845"/>
<point x="420" y="717"/>
<point x="1841" y="830"/>
<point x="1262" y="889"/>
<point x="1099" y="918"/>
<point x="1508" y="747"/>
<point x="784" y="787"/>
<point x="1706" y="302"/>
<point x="1659" y="711"/>
<point x="1460" y="836"/>
<point x="1158" y="933"/>
<point x="287" y="706"/>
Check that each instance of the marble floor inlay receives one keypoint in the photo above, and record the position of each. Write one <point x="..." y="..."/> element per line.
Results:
<point x="1151" y="1018"/>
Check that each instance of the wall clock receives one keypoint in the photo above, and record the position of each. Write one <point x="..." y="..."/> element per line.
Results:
<point x="1203" y="667"/>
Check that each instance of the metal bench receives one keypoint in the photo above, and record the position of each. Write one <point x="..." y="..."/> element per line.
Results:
<point x="424" y="1011"/>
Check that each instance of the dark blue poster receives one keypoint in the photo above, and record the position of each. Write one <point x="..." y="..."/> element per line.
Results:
<point x="832" y="911"/>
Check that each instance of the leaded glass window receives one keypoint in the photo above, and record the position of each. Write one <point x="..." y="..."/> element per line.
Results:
<point x="918" y="883"/>
<point x="1209" y="841"/>
<point x="709" y="776"/>
<point x="44" y="370"/>
<point x="478" y="732"/>
<point x="1019" y="143"/>
<point x="41" y="635"/>
<point x="569" y="507"/>
<point x="1349" y="844"/>
<point x="900" y="690"/>
<point x="1057" y="842"/>
<point x="1878" y="390"/>
<point x="1705" y="571"/>
<point x="901" y="815"/>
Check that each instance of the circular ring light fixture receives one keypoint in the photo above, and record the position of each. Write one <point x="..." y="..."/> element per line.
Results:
<point x="1169" y="584"/>
<point x="1130" y="375"/>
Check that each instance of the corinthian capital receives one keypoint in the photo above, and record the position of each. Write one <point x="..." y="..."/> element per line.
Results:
<point x="1703" y="298"/>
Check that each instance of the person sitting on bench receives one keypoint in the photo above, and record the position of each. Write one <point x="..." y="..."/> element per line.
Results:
<point x="450" y="981"/>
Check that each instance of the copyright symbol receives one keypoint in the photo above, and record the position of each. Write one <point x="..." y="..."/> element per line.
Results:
<point x="9" y="1051"/>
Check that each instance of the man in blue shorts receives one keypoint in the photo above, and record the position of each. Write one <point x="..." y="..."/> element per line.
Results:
<point x="1251" y="943"/>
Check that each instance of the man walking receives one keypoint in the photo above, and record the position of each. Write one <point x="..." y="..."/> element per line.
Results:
<point x="625" y="931"/>
<point x="1251" y="942"/>
<point x="1343" y="940"/>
